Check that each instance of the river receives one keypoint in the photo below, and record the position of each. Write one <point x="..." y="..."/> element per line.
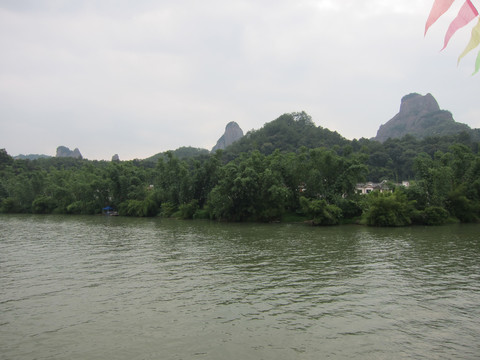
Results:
<point x="96" y="287"/>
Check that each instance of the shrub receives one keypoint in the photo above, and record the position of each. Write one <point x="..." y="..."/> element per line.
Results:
<point x="351" y="208"/>
<point x="188" y="210"/>
<point x="139" y="208"/>
<point x="462" y="207"/>
<point x="168" y="209"/>
<point x="435" y="215"/>
<point x="43" y="204"/>
<point x="320" y="212"/>
<point x="75" y="208"/>
<point x="9" y="205"/>
<point x="201" y="214"/>
<point x="389" y="209"/>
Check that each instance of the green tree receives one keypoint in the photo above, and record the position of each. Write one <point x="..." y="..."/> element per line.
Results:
<point x="389" y="209"/>
<point x="187" y="211"/>
<point x="43" y="205"/>
<point x="249" y="188"/>
<point x="5" y="159"/>
<point x="435" y="215"/>
<point x="460" y="206"/>
<point x="174" y="180"/>
<point x="321" y="213"/>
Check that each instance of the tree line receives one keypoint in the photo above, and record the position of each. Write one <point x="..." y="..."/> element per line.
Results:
<point x="317" y="184"/>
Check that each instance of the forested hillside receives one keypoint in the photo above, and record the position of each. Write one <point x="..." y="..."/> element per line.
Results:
<point x="287" y="133"/>
<point x="184" y="152"/>
<point x="288" y="169"/>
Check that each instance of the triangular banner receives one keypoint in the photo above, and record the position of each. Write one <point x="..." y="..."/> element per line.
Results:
<point x="474" y="41"/>
<point x="466" y="14"/>
<point x="438" y="9"/>
<point x="477" y="64"/>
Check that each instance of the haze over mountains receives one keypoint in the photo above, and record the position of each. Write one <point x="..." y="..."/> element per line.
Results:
<point x="419" y="116"/>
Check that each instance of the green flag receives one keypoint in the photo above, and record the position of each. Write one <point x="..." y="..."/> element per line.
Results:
<point x="477" y="64"/>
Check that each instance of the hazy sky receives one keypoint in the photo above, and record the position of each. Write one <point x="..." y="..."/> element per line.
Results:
<point x="144" y="76"/>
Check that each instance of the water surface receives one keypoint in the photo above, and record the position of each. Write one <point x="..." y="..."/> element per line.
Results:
<point x="118" y="288"/>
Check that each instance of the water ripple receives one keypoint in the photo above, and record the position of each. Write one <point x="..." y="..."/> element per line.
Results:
<point x="95" y="287"/>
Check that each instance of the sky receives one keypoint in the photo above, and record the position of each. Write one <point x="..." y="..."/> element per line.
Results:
<point x="139" y="77"/>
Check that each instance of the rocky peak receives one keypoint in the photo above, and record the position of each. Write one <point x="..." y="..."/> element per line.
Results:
<point x="233" y="132"/>
<point x="416" y="104"/>
<point x="419" y="116"/>
<point x="63" y="151"/>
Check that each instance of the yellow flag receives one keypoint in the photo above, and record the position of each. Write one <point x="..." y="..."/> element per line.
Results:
<point x="474" y="41"/>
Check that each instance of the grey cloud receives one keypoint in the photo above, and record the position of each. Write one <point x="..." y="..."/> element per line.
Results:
<point x="147" y="76"/>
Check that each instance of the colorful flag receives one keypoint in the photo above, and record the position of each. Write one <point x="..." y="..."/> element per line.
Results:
<point x="474" y="41"/>
<point x="438" y="9"/>
<point x="466" y="14"/>
<point x="477" y="64"/>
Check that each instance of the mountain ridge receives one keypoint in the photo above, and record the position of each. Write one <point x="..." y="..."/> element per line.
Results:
<point x="419" y="116"/>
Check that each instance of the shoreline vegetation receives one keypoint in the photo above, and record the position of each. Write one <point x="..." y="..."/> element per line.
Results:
<point x="289" y="171"/>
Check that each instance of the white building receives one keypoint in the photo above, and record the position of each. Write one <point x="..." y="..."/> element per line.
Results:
<point x="366" y="188"/>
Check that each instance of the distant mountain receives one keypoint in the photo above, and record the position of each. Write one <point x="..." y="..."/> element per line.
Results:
<point x="421" y="117"/>
<point x="233" y="132"/>
<point x="63" y="151"/>
<point x="31" y="157"/>
<point x="287" y="133"/>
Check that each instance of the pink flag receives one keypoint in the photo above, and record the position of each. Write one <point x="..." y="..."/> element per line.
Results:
<point x="466" y="14"/>
<point x="438" y="9"/>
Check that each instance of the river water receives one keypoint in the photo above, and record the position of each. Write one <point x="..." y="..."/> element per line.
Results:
<point x="118" y="288"/>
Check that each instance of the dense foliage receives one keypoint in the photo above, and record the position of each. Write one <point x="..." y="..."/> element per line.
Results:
<point x="288" y="169"/>
<point x="288" y="133"/>
<point x="183" y="152"/>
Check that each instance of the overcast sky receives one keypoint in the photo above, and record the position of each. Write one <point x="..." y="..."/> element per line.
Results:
<point x="138" y="77"/>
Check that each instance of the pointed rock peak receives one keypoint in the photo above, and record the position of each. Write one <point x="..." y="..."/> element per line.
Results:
<point x="76" y="154"/>
<point x="416" y="104"/>
<point x="421" y="117"/>
<point x="233" y="132"/>
<point x="63" y="151"/>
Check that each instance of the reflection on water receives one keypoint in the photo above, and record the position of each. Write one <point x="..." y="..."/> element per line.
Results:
<point x="116" y="288"/>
